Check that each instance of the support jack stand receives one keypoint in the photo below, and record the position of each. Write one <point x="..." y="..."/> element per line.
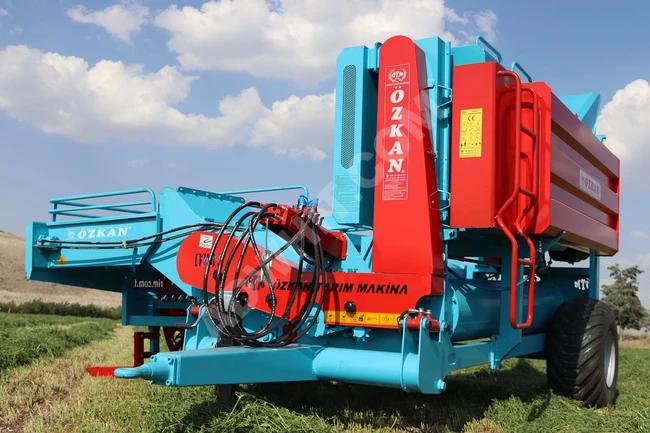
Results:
<point x="139" y="355"/>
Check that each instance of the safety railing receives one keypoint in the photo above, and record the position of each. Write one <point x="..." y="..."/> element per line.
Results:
<point x="273" y="188"/>
<point x="516" y="66"/>
<point x="77" y="206"/>
<point x="518" y="190"/>
<point x="493" y="51"/>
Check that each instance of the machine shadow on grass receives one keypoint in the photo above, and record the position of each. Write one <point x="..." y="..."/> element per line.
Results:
<point x="469" y="394"/>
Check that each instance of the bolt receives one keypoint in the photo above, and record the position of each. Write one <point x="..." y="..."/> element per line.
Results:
<point x="168" y="382"/>
<point x="170" y="361"/>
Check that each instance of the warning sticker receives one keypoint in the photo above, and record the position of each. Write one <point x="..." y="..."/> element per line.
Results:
<point x="397" y="129"/>
<point x="342" y="317"/>
<point x="471" y="133"/>
<point x="205" y="241"/>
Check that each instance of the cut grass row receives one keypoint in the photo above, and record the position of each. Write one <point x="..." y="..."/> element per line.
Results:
<point x="476" y="400"/>
<point x="14" y="321"/>
<point x="60" y="309"/>
<point x="25" y="339"/>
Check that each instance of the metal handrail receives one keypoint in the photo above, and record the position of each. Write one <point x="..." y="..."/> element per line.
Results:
<point x="76" y="206"/>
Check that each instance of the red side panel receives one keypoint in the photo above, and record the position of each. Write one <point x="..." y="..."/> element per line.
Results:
<point x="407" y="232"/>
<point x="473" y="146"/>
<point x="379" y="298"/>
<point x="573" y="176"/>
<point x="585" y="175"/>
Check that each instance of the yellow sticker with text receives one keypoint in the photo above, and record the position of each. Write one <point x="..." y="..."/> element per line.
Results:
<point x="471" y="133"/>
<point x="361" y="318"/>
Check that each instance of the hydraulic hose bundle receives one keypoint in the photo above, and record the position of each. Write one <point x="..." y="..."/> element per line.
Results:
<point x="225" y="318"/>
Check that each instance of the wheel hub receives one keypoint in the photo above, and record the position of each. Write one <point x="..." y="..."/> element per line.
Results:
<point x="610" y="359"/>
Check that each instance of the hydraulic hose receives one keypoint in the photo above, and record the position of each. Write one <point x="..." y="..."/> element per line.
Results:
<point x="228" y="322"/>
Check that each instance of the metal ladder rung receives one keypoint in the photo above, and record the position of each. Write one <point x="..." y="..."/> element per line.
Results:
<point x="527" y="193"/>
<point x="528" y="132"/>
<point x="532" y="195"/>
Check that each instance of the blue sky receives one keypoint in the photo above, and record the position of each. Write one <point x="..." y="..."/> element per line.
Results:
<point x="106" y="95"/>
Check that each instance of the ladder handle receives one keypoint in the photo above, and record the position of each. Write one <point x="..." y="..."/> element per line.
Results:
<point x="515" y="191"/>
<point x="531" y="294"/>
<point x="531" y="247"/>
<point x="491" y="48"/>
<point x="515" y="65"/>
<point x="514" y="259"/>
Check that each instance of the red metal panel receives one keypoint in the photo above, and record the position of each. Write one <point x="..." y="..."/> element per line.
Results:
<point x="287" y="218"/>
<point x="585" y="175"/>
<point x="566" y="174"/>
<point x="559" y="144"/>
<point x="569" y="128"/>
<point x="473" y="175"/>
<point x="406" y="187"/>
<point x="576" y="187"/>
<point x="103" y="371"/>
<point x="563" y="196"/>
<point x="582" y="229"/>
<point x="377" y="295"/>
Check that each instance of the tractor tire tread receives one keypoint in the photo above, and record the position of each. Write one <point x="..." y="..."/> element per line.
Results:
<point x="575" y="348"/>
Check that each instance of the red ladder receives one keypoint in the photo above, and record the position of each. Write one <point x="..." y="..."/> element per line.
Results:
<point x="532" y="204"/>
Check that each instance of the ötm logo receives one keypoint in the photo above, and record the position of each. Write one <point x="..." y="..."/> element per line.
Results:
<point x="397" y="75"/>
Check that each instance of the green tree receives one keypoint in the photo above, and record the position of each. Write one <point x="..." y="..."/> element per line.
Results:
<point x="622" y="297"/>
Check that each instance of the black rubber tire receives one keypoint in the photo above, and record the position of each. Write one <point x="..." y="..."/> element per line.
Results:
<point x="577" y="344"/>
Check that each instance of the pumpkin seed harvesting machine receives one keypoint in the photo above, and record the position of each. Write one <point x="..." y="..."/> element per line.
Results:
<point x="459" y="184"/>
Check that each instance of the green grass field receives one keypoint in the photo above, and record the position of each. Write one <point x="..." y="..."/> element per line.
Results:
<point x="51" y="392"/>
<point x="25" y="339"/>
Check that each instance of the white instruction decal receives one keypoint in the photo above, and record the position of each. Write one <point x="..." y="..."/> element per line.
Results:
<point x="205" y="241"/>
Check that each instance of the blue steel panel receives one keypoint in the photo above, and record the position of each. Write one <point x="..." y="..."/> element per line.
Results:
<point x="114" y="230"/>
<point x="469" y="54"/>
<point x="354" y="137"/>
<point x="183" y="207"/>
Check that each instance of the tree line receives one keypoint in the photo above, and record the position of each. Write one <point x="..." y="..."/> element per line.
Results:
<point x="622" y="296"/>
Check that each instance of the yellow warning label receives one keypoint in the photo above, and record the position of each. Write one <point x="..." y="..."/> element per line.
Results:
<point x="471" y="133"/>
<point x="358" y="318"/>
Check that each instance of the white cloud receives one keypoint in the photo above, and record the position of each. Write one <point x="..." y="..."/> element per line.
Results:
<point x="624" y="120"/>
<point x="136" y="163"/>
<point x="3" y="12"/>
<point x="301" y="39"/>
<point x="638" y="234"/>
<point x="293" y="39"/>
<point x="120" y="20"/>
<point x="643" y="260"/>
<point x="290" y="126"/>
<point x="486" y="22"/>
<point x="113" y="101"/>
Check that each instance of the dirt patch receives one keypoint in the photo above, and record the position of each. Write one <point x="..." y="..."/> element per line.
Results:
<point x="15" y="287"/>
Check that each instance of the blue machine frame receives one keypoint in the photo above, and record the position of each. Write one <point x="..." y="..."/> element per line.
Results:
<point x="473" y="312"/>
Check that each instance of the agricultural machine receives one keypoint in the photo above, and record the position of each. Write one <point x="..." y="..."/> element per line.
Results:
<point x="465" y="198"/>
